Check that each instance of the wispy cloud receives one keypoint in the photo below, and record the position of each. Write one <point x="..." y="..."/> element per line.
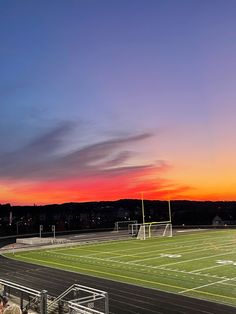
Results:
<point x="42" y="158"/>
<point x="42" y="172"/>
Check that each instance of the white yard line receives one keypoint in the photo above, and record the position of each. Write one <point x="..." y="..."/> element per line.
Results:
<point x="94" y="252"/>
<point x="172" y="250"/>
<point x="201" y="269"/>
<point x="104" y="260"/>
<point x="175" y="247"/>
<point x="189" y="273"/>
<point x="143" y="266"/>
<point x="229" y="284"/>
<point x="153" y="267"/>
<point x="161" y="250"/>
<point x="203" y="286"/>
<point x="198" y="259"/>
<point x="136" y="263"/>
<point x="158" y="246"/>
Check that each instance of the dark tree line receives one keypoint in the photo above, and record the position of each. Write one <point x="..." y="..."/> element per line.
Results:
<point x="100" y="215"/>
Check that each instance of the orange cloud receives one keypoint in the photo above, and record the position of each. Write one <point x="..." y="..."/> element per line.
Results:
<point x="122" y="185"/>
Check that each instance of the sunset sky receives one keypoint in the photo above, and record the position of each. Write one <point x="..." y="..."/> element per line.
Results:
<point x="105" y="99"/>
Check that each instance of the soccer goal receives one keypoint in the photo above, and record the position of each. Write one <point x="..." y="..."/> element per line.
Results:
<point x="154" y="229"/>
<point x="124" y="225"/>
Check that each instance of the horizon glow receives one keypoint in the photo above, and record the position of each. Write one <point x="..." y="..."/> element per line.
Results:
<point x="104" y="100"/>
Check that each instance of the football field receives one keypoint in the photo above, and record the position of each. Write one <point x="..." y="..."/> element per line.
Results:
<point x="200" y="264"/>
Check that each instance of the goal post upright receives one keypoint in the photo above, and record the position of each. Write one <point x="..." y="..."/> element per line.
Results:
<point x="170" y="218"/>
<point x="141" y="235"/>
<point x="143" y="214"/>
<point x="150" y="229"/>
<point x="169" y="208"/>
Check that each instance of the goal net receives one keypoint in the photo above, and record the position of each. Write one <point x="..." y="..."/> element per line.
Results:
<point x="150" y="230"/>
<point x="124" y="225"/>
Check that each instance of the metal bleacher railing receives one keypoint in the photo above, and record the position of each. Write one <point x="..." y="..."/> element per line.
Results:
<point x="26" y="297"/>
<point x="76" y="299"/>
<point x="81" y="299"/>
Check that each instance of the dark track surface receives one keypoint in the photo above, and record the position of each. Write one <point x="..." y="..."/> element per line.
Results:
<point x="123" y="298"/>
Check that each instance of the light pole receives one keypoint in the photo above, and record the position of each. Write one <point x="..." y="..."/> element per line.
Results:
<point x="54" y="231"/>
<point x="17" y="227"/>
<point x="40" y="230"/>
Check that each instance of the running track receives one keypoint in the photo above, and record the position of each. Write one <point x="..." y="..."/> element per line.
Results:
<point x="123" y="298"/>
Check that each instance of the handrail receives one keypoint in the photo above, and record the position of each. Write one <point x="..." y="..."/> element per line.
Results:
<point x="82" y="309"/>
<point x="41" y="298"/>
<point x="20" y="287"/>
<point x="94" y="293"/>
<point x="63" y="294"/>
<point x="37" y="297"/>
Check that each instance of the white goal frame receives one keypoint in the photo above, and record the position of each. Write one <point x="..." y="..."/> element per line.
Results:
<point x="125" y="223"/>
<point x="146" y="230"/>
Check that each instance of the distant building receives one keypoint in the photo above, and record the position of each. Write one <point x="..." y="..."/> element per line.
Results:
<point x="218" y="221"/>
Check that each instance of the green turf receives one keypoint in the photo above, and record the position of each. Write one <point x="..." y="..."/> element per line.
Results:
<point x="200" y="264"/>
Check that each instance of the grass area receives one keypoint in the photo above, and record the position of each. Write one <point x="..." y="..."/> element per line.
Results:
<point x="200" y="264"/>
